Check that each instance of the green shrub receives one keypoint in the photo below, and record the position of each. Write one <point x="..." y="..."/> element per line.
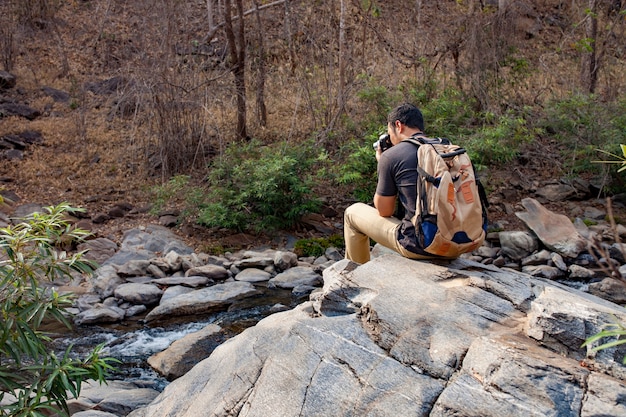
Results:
<point x="317" y="246"/>
<point x="33" y="379"/>
<point x="583" y="125"/>
<point x="448" y="114"/>
<point x="375" y="98"/>
<point x="499" y="140"/>
<point x="260" y="188"/>
<point x="359" y="168"/>
<point x="177" y="185"/>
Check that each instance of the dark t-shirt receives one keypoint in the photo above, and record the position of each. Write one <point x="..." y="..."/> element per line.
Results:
<point x="397" y="175"/>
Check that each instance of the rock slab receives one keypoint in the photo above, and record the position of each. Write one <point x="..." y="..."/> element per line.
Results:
<point x="400" y="337"/>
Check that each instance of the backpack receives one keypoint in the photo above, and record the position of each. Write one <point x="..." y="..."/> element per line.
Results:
<point x="451" y="209"/>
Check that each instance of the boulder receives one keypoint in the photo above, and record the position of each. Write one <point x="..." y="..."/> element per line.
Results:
<point x="184" y="353"/>
<point x="203" y="301"/>
<point x="295" y="276"/>
<point x="99" y="249"/>
<point x="253" y="275"/>
<point x="401" y="337"/>
<point x="213" y="272"/>
<point x="517" y="245"/>
<point x="554" y="230"/>
<point x="146" y="294"/>
<point x="118" y="398"/>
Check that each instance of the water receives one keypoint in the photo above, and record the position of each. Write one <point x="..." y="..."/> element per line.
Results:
<point x="133" y="342"/>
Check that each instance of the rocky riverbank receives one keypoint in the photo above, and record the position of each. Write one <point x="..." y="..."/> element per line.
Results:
<point x="154" y="278"/>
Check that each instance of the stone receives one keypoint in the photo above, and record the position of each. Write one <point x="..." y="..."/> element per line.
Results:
<point x="187" y="281"/>
<point x="254" y="262"/>
<point x="56" y="95"/>
<point x="172" y="292"/>
<point x="173" y="260"/>
<point x="94" y="413"/>
<point x="580" y="272"/>
<point x="295" y="276"/>
<point x="168" y="220"/>
<point x="556" y="192"/>
<point x="285" y="260"/>
<point x="146" y="294"/>
<point x="104" y="280"/>
<point x="207" y="300"/>
<point x="333" y="254"/>
<point x="610" y="289"/>
<point x="99" y="315"/>
<point x="213" y="272"/>
<point x="537" y="258"/>
<point x="558" y="261"/>
<point x="99" y="249"/>
<point x="134" y="268"/>
<point x="554" y="230"/>
<point x="183" y="354"/>
<point x="155" y="271"/>
<point x="594" y="213"/>
<point x="502" y="374"/>
<point x="253" y="275"/>
<point x="544" y="271"/>
<point x="517" y="245"/>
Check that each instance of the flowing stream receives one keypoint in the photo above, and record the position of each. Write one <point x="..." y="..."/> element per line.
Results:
<point x="133" y="342"/>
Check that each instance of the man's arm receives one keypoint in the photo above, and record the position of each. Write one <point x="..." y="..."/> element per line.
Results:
<point x="386" y="205"/>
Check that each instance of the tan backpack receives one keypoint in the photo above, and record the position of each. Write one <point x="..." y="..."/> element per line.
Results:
<point x="450" y="213"/>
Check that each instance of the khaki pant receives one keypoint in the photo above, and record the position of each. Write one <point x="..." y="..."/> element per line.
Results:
<point x="362" y="222"/>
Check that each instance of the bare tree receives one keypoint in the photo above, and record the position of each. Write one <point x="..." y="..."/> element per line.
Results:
<point x="237" y="48"/>
<point x="589" y="71"/>
<point x="342" y="55"/>
<point x="260" y="86"/>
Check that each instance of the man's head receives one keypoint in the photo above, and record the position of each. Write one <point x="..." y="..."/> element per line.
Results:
<point x="403" y="121"/>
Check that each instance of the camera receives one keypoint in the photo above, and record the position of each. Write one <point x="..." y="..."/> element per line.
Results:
<point x="383" y="142"/>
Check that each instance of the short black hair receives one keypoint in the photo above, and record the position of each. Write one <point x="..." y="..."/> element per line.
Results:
<point x="408" y="115"/>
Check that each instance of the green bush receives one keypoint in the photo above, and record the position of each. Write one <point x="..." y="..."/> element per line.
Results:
<point x="499" y="140"/>
<point x="359" y="168"/>
<point x="448" y="114"/>
<point x="376" y="101"/>
<point x="317" y="246"/>
<point x="583" y="124"/>
<point x="177" y="185"/>
<point x="33" y="379"/>
<point x="260" y="188"/>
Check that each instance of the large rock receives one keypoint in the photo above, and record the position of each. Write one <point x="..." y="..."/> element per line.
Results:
<point x="99" y="249"/>
<point x="556" y="231"/>
<point x="116" y="397"/>
<point x="203" y="301"/>
<point x="184" y="353"/>
<point x="147" y="294"/>
<point x="396" y="337"/>
<point x="295" y="276"/>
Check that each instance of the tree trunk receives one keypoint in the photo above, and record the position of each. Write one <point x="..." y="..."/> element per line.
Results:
<point x="589" y="73"/>
<point x="260" y="86"/>
<point x="236" y="46"/>
<point x="342" y="56"/>
<point x="210" y="6"/>
<point x="289" y="35"/>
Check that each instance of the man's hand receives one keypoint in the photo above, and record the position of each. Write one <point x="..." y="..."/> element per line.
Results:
<point x="386" y="205"/>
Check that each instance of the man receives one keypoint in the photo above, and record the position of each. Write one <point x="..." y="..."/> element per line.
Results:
<point x="397" y="179"/>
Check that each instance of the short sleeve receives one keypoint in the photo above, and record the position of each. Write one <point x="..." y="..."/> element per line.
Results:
<point x="386" y="185"/>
